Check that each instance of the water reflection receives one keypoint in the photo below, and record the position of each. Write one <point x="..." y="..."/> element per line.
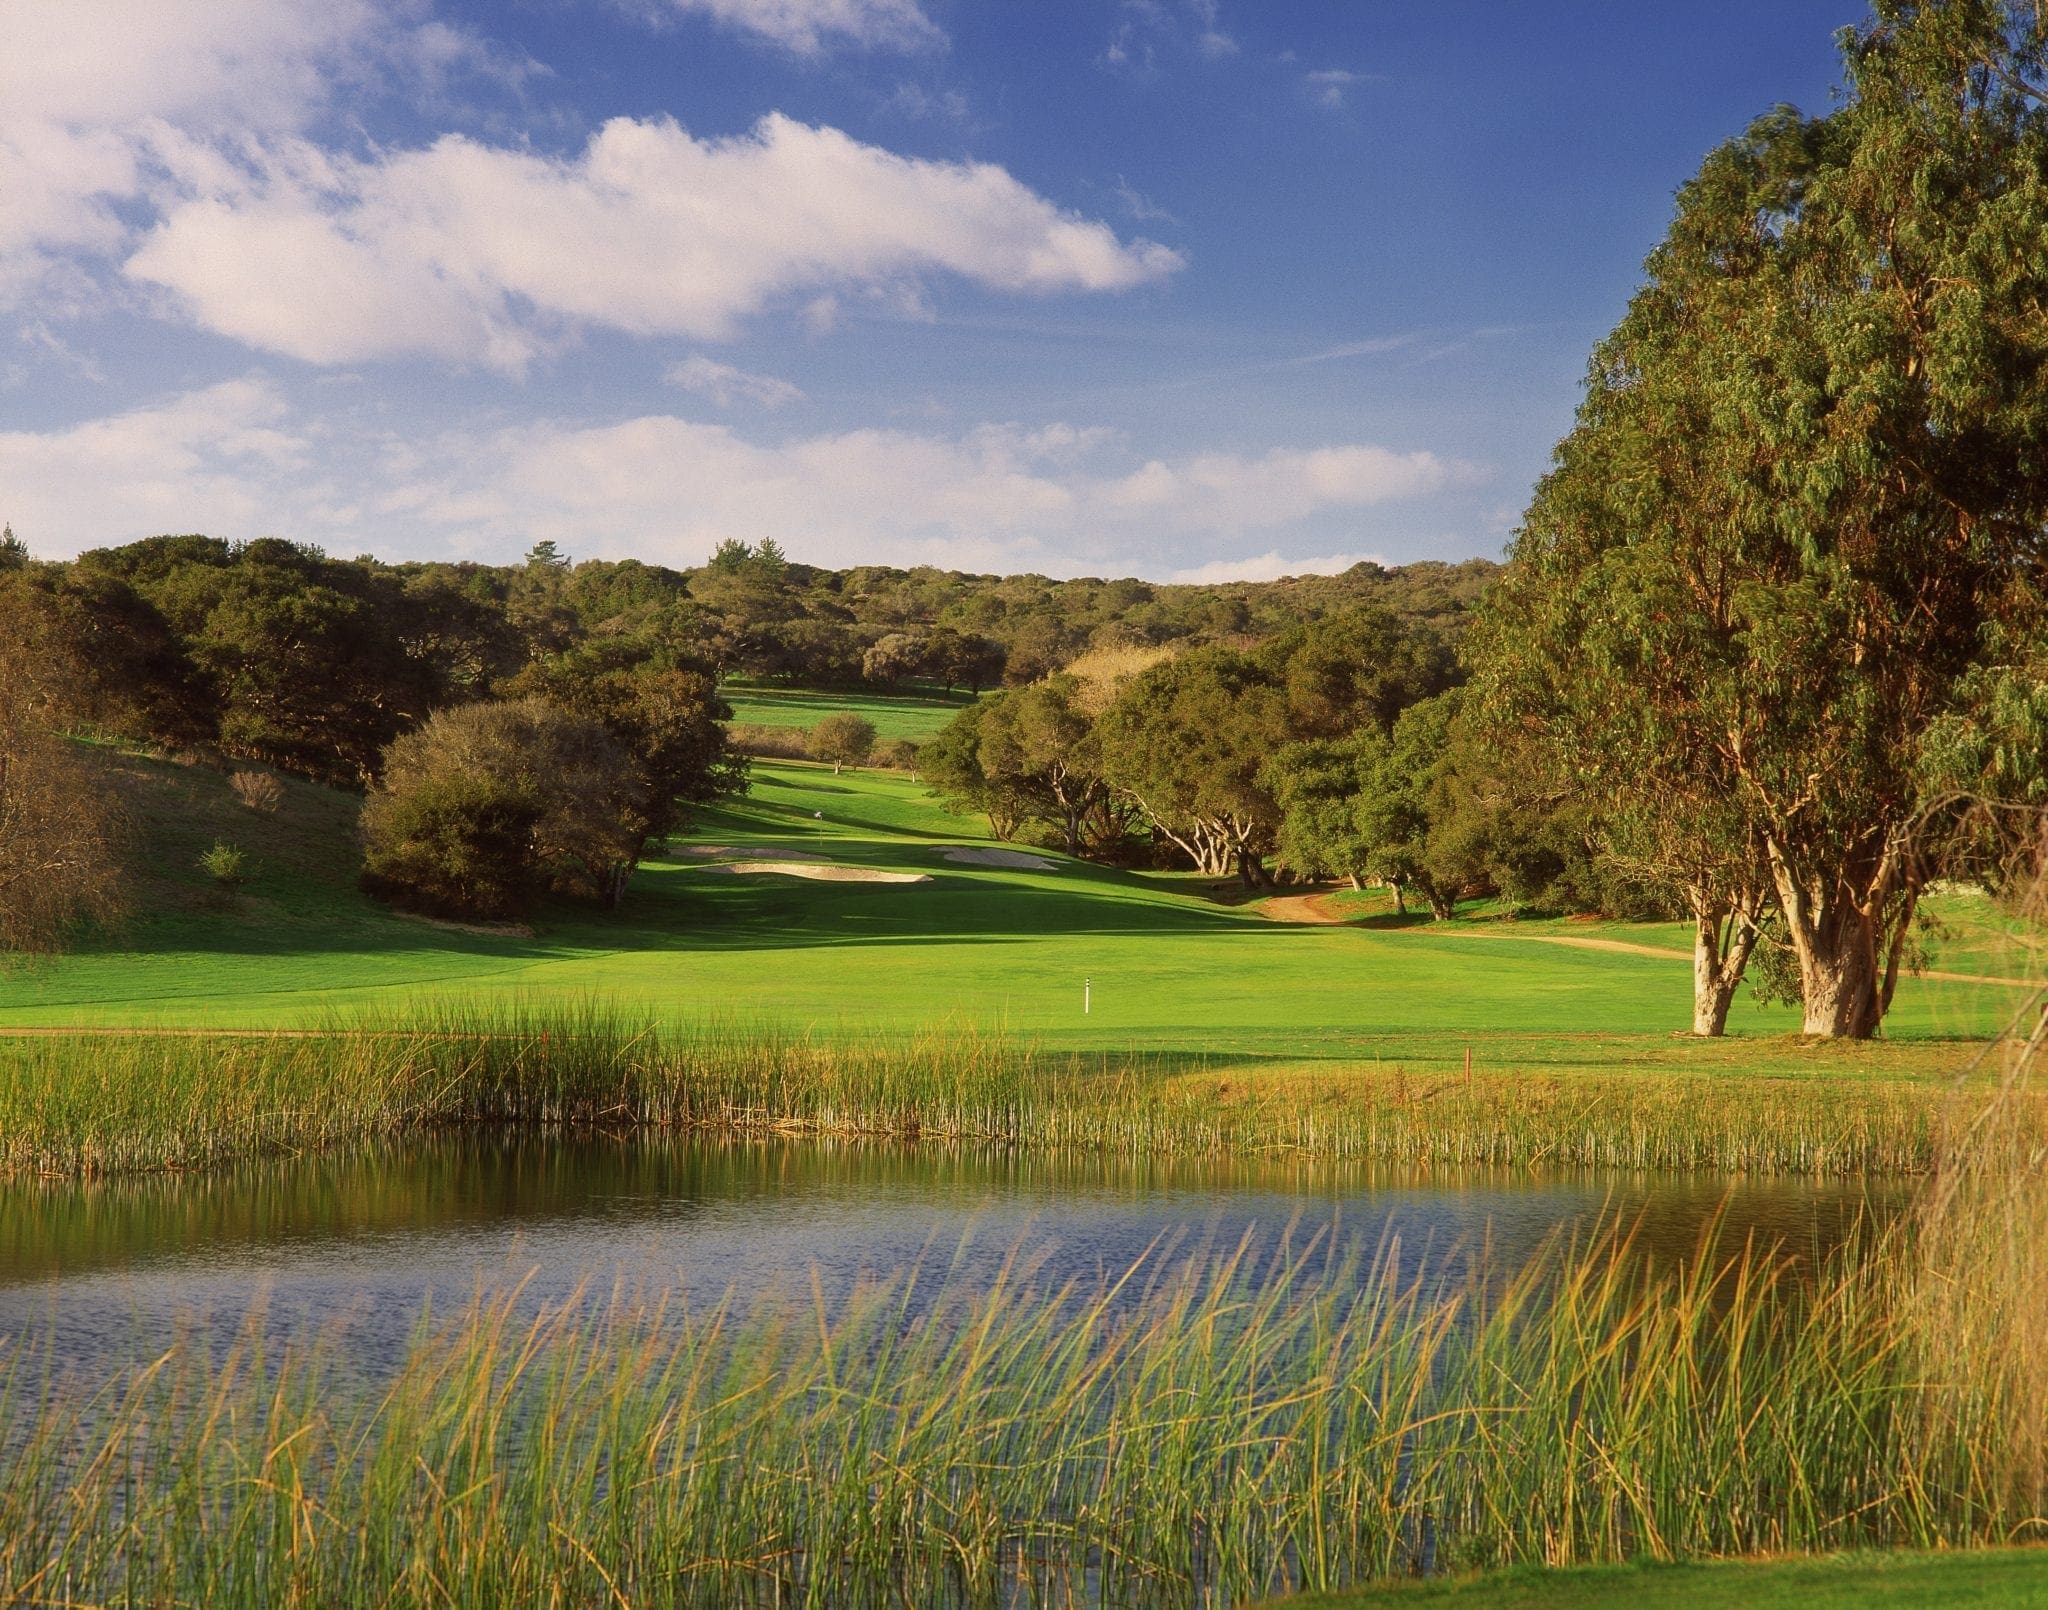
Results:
<point x="362" y="1243"/>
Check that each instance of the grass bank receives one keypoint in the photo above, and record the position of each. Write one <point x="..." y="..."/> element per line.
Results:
<point x="2016" y="1578"/>
<point x="84" y="1105"/>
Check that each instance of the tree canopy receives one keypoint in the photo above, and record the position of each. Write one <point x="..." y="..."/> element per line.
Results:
<point x="1805" y="494"/>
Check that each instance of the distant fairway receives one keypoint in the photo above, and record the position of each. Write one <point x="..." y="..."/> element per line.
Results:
<point x="914" y="716"/>
<point x="998" y="947"/>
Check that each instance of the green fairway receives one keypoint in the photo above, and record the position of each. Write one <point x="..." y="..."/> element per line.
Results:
<point x="1970" y="1577"/>
<point x="1166" y="965"/>
<point x="914" y="716"/>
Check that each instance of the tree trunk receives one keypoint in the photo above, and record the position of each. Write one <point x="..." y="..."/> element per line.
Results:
<point x="1840" y="985"/>
<point x="1723" y="937"/>
<point x="1400" y="899"/>
<point x="1840" y="930"/>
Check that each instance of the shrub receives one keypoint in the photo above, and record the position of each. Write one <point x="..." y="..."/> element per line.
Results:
<point x="258" y="791"/>
<point x="487" y="804"/>
<point x="844" y="739"/>
<point x="453" y="846"/>
<point x="226" y="864"/>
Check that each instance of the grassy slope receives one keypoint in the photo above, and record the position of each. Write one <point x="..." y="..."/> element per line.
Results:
<point x="1986" y="1577"/>
<point x="1172" y="969"/>
<point x="905" y="715"/>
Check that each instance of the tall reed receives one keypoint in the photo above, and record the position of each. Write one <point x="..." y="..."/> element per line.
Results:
<point x="1202" y="1433"/>
<point x="94" y="1104"/>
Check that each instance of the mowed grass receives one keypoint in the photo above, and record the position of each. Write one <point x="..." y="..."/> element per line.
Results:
<point x="2015" y="1577"/>
<point x="915" y="716"/>
<point x="1166" y="967"/>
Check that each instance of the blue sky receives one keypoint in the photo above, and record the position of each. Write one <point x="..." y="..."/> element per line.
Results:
<point x="1175" y="288"/>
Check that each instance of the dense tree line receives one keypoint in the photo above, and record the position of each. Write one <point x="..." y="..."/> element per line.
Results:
<point x="453" y="692"/>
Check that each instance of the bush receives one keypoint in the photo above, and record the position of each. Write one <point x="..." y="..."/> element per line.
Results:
<point x="488" y="804"/>
<point x="898" y="754"/>
<point x="453" y="846"/>
<point x="226" y="864"/>
<point x="844" y="739"/>
<point x="258" y="791"/>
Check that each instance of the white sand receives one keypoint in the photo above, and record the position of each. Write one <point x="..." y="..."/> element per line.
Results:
<point x="706" y="852"/>
<point x="824" y="874"/>
<point x="1009" y="858"/>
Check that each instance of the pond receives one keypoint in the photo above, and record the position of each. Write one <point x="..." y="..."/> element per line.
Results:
<point x="360" y="1245"/>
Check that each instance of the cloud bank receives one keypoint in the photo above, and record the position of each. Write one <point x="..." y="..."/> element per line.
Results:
<point x="237" y="460"/>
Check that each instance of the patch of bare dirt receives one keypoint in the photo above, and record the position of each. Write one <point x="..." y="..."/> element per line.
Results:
<point x="1305" y="908"/>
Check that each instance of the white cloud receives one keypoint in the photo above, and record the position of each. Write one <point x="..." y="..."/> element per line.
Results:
<point x="993" y="497"/>
<point x="1140" y="206"/>
<point x="1148" y="26"/>
<point x="181" y="139"/>
<point x="480" y="253"/>
<point x="1329" y="86"/>
<point x="1228" y="492"/>
<point x="224" y="459"/>
<point x="727" y="386"/>
<point x="95" y="94"/>
<point x="809" y="27"/>
<point x="238" y="461"/>
<point x="1270" y="566"/>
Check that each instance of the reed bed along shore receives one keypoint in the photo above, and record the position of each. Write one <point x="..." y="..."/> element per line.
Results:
<point x="85" y="1104"/>
<point x="1185" y="1435"/>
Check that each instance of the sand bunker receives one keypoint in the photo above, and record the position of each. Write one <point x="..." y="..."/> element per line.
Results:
<point x="707" y="852"/>
<point x="824" y="874"/>
<point x="1009" y="858"/>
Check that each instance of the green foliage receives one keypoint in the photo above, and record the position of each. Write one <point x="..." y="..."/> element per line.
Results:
<point x="487" y="803"/>
<point x="842" y="739"/>
<point x="1357" y="670"/>
<point x="226" y="864"/>
<point x="14" y="554"/>
<point x="454" y="845"/>
<point x="1186" y="742"/>
<point x="1802" y="499"/>
<point x="664" y="714"/>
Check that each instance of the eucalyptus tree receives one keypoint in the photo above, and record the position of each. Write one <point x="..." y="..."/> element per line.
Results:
<point x="1807" y="486"/>
<point x="1186" y="742"/>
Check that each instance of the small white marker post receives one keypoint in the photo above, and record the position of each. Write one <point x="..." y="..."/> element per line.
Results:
<point x="1087" y="993"/>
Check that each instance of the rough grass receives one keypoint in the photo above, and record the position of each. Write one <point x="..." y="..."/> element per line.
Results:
<point x="91" y="1105"/>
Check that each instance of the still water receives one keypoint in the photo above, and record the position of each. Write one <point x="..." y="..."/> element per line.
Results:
<point x="358" y="1246"/>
